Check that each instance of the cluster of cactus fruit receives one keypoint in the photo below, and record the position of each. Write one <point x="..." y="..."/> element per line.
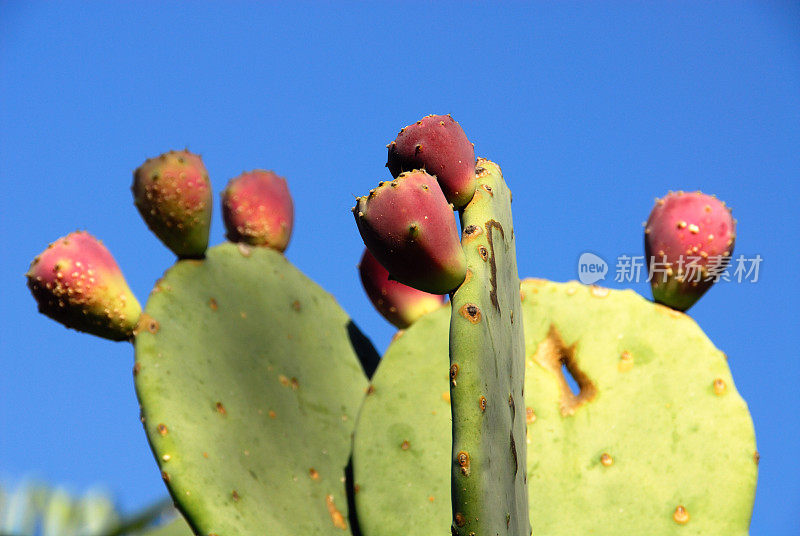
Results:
<point x="268" y="411"/>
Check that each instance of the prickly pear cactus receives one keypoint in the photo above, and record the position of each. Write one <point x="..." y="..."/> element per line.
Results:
<point x="657" y="441"/>
<point x="249" y="380"/>
<point x="487" y="369"/>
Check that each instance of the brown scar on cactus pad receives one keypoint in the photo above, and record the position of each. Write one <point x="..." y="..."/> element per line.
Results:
<point x="437" y="144"/>
<point x="408" y="225"/>
<point x="257" y="209"/>
<point x="690" y="238"/>
<point x="173" y="195"/>
<point x="554" y="355"/>
<point x="77" y="282"/>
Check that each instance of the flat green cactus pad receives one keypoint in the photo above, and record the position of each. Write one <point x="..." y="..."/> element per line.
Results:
<point x="401" y="450"/>
<point x="249" y="381"/>
<point x="656" y="442"/>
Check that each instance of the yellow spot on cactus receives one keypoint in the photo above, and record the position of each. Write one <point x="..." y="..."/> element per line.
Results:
<point x="681" y="516"/>
<point x="431" y="499"/>
<point x="221" y="409"/>
<point x="336" y="516"/>
<point x="446" y="396"/>
<point x="694" y="229"/>
<point x="213" y="304"/>
<point x="530" y="415"/>
<point x="146" y="323"/>
<point x="599" y="292"/>
<point x="625" y="361"/>
<point x="719" y="387"/>
<point x="162" y="429"/>
<point x="681" y="224"/>
<point x="405" y="445"/>
<point x="166" y="457"/>
<point x="235" y="495"/>
<point x="606" y="459"/>
<point x="313" y="474"/>
<point x="272" y="414"/>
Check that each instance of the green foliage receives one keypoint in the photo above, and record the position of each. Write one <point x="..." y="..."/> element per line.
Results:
<point x="249" y="381"/>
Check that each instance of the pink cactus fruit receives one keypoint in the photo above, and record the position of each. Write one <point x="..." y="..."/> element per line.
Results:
<point x="173" y="195"/>
<point x="398" y="303"/>
<point x="410" y="228"/>
<point x="688" y="242"/>
<point x="76" y="282"/>
<point x="257" y="209"/>
<point x="437" y="144"/>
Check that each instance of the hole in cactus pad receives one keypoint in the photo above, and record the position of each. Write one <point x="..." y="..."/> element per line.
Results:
<point x="570" y="379"/>
<point x="575" y="387"/>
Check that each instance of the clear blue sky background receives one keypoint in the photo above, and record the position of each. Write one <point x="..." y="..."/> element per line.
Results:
<point x="591" y="109"/>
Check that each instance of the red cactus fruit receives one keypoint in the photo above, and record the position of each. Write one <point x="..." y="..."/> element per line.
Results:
<point x="258" y="210"/>
<point x="688" y="242"/>
<point x="409" y="227"/>
<point x="76" y="282"/>
<point x="437" y="144"/>
<point x="173" y="195"/>
<point x="398" y="303"/>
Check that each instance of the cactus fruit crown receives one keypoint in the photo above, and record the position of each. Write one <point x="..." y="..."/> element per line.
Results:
<point x="258" y="396"/>
<point x="693" y="234"/>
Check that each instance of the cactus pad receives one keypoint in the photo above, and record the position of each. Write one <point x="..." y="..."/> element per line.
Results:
<point x="249" y="379"/>
<point x="401" y="471"/>
<point x="657" y="441"/>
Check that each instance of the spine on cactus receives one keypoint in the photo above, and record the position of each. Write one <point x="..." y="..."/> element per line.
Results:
<point x="487" y="370"/>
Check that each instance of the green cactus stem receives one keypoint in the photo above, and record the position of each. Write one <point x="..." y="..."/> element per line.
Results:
<point x="487" y="370"/>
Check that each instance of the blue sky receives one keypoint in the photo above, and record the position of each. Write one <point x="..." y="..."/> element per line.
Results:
<point x="591" y="109"/>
